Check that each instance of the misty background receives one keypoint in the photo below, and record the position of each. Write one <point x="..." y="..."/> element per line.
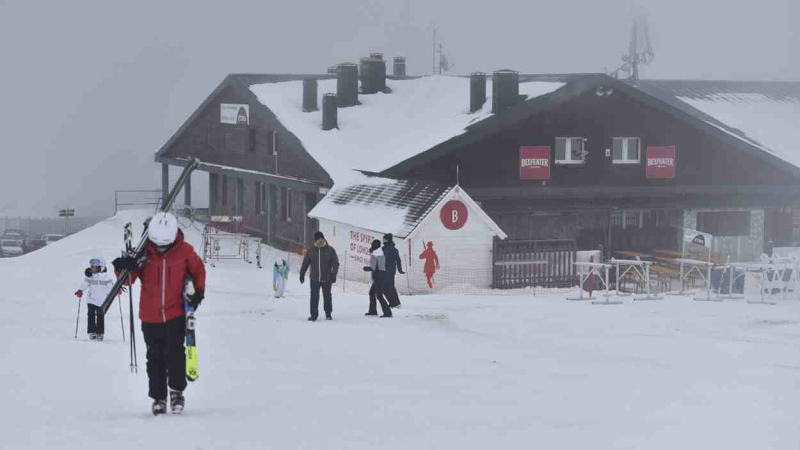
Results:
<point x="90" y="90"/>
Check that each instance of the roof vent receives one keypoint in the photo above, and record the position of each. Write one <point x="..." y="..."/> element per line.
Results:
<point x="310" y="95"/>
<point x="347" y="85"/>
<point x="330" y="115"/>
<point x="477" y="91"/>
<point x="505" y="90"/>
<point x="373" y="74"/>
<point x="399" y="68"/>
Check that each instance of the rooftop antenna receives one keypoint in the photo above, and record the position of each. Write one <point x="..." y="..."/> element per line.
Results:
<point x="443" y="64"/>
<point x="640" y="50"/>
<point x="458" y="175"/>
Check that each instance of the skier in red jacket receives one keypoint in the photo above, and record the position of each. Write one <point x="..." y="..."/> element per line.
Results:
<point x="169" y="261"/>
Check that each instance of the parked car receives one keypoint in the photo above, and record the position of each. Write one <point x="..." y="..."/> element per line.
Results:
<point x="15" y="233"/>
<point x="11" y="247"/>
<point x="32" y="245"/>
<point x="50" y="238"/>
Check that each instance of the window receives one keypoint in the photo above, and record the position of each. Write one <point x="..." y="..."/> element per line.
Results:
<point x="626" y="151"/>
<point x="239" y="197"/>
<point x="261" y="198"/>
<point x="286" y="204"/>
<point x="224" y="190"/>
<point x="273" y="201"/>
<point x="272" y="143"/>
<point x="263" y="189"/>
<point x="213" y="180"/>
<point x="252" y="139"/>
<point x="570" y="150"/>
<point x="724" y="223"/>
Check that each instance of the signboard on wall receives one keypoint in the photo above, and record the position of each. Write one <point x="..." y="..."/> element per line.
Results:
<point x="534" y="163"/>
<point x="661" y="162"/>
<point x="234" y="114"/>
<point x="454" y="215"/>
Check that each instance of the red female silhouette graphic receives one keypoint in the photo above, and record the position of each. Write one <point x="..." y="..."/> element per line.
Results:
<point x="431" y="263"/>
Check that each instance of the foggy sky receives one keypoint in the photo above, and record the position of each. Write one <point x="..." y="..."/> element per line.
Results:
<point x="90" y="90"/>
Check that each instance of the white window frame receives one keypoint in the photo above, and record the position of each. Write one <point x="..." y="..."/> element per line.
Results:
<point x="568" y="151"/>
<point x="625" y="150"/>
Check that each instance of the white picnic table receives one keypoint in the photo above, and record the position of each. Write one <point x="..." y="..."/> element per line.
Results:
<point x="641" y="269"/>
<point x="599" y="269"/>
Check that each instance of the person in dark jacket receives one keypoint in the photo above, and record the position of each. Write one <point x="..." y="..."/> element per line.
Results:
<point x="324" y="264"/>
<point x="377" y="265"/>
<point x="169" y="261"/>
<point x="394" y="264"/>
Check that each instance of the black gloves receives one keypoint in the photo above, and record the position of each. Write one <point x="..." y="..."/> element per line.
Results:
<point x="401" y="272"/>
<point x="302" y="279"/>
<point x="333" y="280"/>
<point x="128" y="263"/>
<point x="88" y="272"/>
<point x="367" y="269"/>
<point x="196" y="298"/>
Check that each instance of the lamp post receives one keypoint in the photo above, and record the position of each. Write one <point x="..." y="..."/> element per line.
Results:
<point x="66" y="214"/>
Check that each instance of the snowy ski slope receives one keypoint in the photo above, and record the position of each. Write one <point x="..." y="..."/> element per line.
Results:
<point x="450" y="371"/>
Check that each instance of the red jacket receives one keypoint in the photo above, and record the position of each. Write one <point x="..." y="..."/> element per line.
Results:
<point x="162" y="279"/>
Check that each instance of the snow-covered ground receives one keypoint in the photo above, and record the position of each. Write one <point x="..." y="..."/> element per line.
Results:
<point x="448" y="371"/>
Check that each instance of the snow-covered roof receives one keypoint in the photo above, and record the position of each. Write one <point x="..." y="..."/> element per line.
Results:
<point x="386" y="206"/>
<point x="392" y="206"/>
<point x="764" y="115"/>
<point x="385" y="129"/>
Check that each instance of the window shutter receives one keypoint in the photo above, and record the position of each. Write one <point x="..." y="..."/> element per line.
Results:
<point x="252" y="139"/>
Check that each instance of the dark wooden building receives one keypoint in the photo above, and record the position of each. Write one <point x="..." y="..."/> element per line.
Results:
<point x="598" y="135"/>
<point x="583" y="157"/>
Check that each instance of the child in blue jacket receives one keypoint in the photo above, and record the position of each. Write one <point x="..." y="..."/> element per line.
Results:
<point x="280" y="274"/>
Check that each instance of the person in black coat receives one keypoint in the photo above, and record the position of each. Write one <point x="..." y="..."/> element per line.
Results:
<point x="394" y="264"/>
<point x="377" y="265"/>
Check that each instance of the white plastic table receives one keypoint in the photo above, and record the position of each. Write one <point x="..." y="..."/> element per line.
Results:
<point x="638" y="267"/>
<point x="599" y="269"/>
<point x="695" y="266"/>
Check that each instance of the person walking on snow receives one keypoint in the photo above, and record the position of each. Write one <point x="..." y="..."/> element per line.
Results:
<point x="377" y="265"/>
<point x="169" y="261"/>
<point x="324" y="264"/>
<point x="96" y="286"/>
<point x="394" y="264"/>
<point x="280" y="275"/>
<point x="431" y="263"/>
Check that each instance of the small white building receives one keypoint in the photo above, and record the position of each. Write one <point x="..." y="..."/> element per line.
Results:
<point x="443" y="236"/>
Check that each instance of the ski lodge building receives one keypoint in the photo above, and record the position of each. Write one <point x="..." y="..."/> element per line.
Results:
<point x="584" y="158"/>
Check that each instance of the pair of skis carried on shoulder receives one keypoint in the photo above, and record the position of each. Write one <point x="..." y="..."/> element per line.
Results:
<point x="138" y="254"/>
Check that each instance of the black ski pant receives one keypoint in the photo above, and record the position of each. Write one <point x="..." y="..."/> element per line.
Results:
<point x="391" y="292"/>
<point x="97" y="321"/>
<point x="376" y="292"/>
<point x="166" y="357"/>
<point x="326" y="294"/>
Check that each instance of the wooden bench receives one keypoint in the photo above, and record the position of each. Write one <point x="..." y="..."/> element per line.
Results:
<point x="665" y="276"/>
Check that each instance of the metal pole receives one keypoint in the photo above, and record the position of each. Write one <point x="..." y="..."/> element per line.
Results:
<point x="78" y="319"/>
<point x="121" y="324"/>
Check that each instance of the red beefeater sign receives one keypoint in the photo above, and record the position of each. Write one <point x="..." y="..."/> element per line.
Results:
<point x="534" y="163"/>
<point x="661" y="162"/>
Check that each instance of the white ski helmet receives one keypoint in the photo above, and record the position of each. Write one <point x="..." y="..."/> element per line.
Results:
<point x="162" y="229"/>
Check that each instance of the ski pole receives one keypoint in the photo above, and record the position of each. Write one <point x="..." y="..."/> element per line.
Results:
<point x="121" y="323"/>
<point x="134" y="363"/>
<point x="78" y="319"/>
